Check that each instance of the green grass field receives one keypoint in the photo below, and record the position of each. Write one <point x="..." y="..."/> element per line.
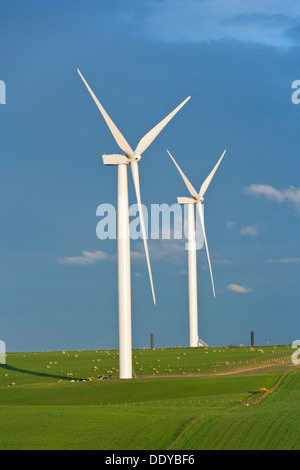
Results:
<point x="181" y="398"/>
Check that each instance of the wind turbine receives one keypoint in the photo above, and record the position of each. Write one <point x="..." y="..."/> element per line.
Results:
<point x="124" y="273"/>
<point x="196" y="199"/>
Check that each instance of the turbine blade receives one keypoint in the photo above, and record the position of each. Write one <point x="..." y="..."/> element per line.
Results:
<point x="210" y="177"/>
<point x="200" y="210"/>
<point x="148" y="138"/>
<point x="113" y="128"/>
<point x="190" y="187"/>
<point x="136" y="181"/>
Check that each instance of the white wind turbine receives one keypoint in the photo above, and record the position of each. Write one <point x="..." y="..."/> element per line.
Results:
<point x="197" y="198"/>
<point x="124" y="274"/>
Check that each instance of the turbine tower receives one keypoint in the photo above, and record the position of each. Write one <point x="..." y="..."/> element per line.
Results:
<point x="196" y="199"/>
<point x="124" y="273"/>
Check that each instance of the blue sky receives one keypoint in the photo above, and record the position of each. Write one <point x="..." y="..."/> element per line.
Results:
<point x="238" y="63"/>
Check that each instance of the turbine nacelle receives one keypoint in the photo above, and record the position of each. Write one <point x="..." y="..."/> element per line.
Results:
<point x="117" y="159"/>
<point x="189" y="200"/>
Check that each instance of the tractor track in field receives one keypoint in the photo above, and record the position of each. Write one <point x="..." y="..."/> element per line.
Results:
<point x="233" y="372"/>
<point x="231" y="408"/>
<point x="240" y="371"/>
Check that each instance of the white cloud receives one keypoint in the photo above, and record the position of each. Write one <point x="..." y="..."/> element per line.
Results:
<point x="137" y="254"/>
<point x="239" y="289"/>
<point x="290" y="195"/>
<point x="172" y="251"/>
<point x="86" y="258"/>
<point x="250" y="230"/>
<point x="137" y="274"/>
<point x="182" y="272"/>
<point x="265" y="190"/>
<point x="284" y="260"/>
<point x="229" y="224"/>
<point x="259" y="21"/>
<point x="221" y="261"/>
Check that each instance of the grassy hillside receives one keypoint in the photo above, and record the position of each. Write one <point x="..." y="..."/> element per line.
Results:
<point x="271" y="425"/>
<point x="44" y="405"/>
<point x="41" y="367"/>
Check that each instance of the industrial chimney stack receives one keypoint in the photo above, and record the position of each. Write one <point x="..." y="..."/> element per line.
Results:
<point x="252" y="339"/>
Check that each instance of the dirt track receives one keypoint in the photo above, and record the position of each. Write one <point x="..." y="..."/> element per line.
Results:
<point x="240" y="371"/>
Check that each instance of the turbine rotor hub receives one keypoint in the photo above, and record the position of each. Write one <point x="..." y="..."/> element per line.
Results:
<point x="136" y="158"/>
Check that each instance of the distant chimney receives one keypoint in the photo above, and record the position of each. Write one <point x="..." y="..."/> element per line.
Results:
<point x="152" y="341"/>
<point x="252" y="338"/>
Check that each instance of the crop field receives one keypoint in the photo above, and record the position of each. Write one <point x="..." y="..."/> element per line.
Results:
<point x="180" y="398"/>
